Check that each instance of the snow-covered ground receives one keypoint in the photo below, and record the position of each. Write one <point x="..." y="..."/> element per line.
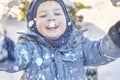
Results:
<point x="98" y="20"/>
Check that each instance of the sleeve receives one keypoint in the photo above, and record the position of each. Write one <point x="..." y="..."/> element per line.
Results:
<point x="17" y="57"/>
<point x="103" y="51"/>
<point x="114" y="33"/>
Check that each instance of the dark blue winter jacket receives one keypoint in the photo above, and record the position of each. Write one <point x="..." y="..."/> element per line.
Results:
<point x="43" y="61"/>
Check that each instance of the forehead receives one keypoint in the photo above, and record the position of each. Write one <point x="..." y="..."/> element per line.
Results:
<point x="49" y="5"/>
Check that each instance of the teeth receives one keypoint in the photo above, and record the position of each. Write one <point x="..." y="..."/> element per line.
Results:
<point x="52" y="24"/>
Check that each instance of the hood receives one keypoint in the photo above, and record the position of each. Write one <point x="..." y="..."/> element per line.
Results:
<point x="31" y="13"/>
<point x="31" y="20"/>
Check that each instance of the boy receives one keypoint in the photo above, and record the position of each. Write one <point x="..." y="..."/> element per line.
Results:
<point x="53" y="49"/>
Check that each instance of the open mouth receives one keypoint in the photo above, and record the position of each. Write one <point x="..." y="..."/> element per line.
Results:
<point x="52" y="26"/>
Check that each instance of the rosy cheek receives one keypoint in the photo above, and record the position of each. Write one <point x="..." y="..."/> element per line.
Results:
<point x="62" y="23"/>
<point x="40" y="23"/>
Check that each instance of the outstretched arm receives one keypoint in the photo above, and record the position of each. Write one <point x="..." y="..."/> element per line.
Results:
<point x="13" y="57"/>
<point x="105" y="50"/>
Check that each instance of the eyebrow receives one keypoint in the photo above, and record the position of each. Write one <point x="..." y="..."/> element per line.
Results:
<point x="57" y="9"/>
<point x="42" y="11"/>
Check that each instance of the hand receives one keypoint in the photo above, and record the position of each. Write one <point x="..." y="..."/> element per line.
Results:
<point x="6" y="47"/>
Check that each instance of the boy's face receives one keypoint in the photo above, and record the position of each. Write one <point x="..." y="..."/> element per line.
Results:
<point x="50" y="20"/>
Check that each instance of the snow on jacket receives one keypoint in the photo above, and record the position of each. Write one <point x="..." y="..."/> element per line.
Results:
<point x="44" y="62"/>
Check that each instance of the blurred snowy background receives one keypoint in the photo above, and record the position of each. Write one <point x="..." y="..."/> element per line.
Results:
<point x="98" y="19"/>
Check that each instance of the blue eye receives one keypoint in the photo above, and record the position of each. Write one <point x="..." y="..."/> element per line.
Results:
<point x="42" y="16"/>
<point x="57" y="14"/>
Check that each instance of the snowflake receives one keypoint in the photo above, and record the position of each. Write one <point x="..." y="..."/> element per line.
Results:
<point x="69" y="23"/>
<point x="31" y="23"/>
<point x="24" y="52"/>
<point x="16" y="68"/>
<point x="42" y="76"/>
<point x="47" y="56"/>
<point x="39" y="61"/>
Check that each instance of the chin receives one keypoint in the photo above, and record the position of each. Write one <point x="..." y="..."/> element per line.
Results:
<point x="53" y="38"/>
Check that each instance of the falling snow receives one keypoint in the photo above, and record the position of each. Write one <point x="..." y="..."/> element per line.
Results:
<point x="39" y="61"/>
<point x="31" y="23"/>
<point x="16" y="68"/>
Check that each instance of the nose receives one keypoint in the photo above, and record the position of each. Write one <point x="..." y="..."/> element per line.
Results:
<point x="51" y="17"/>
